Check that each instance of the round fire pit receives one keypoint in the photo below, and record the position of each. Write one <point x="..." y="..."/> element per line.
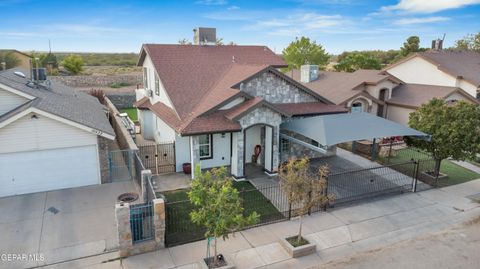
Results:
<point x="128" y="197"/>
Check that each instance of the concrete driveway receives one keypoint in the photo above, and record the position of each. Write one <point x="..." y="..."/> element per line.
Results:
<point x="60" y="225"/>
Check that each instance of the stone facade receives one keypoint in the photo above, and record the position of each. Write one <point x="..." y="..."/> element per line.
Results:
<point x="261" y="115"/>
<point x="122" y="100"/>
<point x="297" y="150"/>
<point x="195" y="148"/>
<point x="103" y="158"/>
<point x="126" y="246"/>
<point x="275" y="90"/>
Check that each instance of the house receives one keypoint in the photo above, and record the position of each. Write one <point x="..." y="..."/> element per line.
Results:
<point x="217" y="103"/>
<point x="450" y="68"/>
<point x="23" y="58"/>
<point x="360" y="91"/>
<point x="51" y="136"/>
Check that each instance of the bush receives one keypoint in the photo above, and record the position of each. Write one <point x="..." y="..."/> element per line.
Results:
<point x="117" y="85"/>
<point x="73" y="63"/>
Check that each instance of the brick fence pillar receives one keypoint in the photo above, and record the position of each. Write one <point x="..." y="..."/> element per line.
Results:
<point x="122" y="215"/>
<point x="159" y="222"/>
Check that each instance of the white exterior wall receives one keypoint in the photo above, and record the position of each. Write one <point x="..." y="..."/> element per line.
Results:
<point x="458" y="97"/>
<point x="148" y="124"/>
<point x="374" y="90"/>
<point x="467" y="87"/>
<point x="162" y="97"/>
<point x="253" y="138"/>
<point x="399" y="114"/>
<point x="27" y="134"/>
<point x="221" y="152"/>
<point x="420" y="71"/>
<point x="182" y="152"/>
<point x="233" y="103"/>
<point x="9" y="101"/>
<point x="163" y="132"/>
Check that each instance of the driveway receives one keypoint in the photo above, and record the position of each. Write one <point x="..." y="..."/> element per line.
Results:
<point x="60" y="225"/>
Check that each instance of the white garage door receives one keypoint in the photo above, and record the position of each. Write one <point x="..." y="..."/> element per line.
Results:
<point x="43" y="170"/>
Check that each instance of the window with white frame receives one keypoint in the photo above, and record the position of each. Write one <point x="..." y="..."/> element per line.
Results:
<point x="285" y="145"/>
<point x="145" y="78"/>
<point x="205" y="143"/>
<point x="157" y="85"/>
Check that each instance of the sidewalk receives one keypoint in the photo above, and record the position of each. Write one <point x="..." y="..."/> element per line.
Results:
<point x="339" y="233"/>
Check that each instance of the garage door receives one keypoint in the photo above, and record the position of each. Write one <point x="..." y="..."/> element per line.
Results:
<point x="35" y="171"/>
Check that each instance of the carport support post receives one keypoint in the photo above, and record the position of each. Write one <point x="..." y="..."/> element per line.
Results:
<point x="159" y="222"/>
<point x="122" y="215"/>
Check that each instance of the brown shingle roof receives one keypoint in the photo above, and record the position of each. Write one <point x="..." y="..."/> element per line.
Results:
<point x="312" y="108"/>
<point x="458" y="63"/>
<point x="340" y="86"/>
<point x="414" y="95"/>
<point x="189" y="72"/>
<point x="211" y="123"/>
<point x="162" y="111"/>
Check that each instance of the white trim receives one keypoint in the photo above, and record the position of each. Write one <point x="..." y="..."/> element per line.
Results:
<point x="57" y="118"/>
<point x="99" y="165"/>
<point x="17" y="92"/>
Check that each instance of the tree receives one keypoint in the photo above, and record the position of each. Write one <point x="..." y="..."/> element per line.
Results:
<point x="469" y="42"/>
<point x="9" y="58"/>
<point x="303" y="190"/>
<point x="411" y="45"/>
<point x="217" y="204"/>
<point x="357" y="61"/>
<point x="184" y="41"/>
<point x="303" y="51"/>
<point x="73" y="63"/>
<point x="384" y="57"/>
<point x="454" y="128"/>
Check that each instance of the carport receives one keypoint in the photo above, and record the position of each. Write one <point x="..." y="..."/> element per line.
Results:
<point x="348" y="180"/>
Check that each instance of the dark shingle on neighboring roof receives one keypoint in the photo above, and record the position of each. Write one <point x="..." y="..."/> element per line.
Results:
<point x="61" y="101"/>
<point x="458" y="63"/>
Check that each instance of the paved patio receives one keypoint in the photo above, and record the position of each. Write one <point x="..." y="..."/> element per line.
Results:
<point x="62" y="225"/>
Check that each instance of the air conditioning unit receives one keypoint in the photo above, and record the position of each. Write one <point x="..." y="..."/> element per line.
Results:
<point x="149" y="93"/>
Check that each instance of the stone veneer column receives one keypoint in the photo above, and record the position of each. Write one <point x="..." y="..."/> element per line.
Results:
<point x="194" y="153"/>
<point x="122" y="215"/>
<point x="159" y="222"/>
<point x="275" y="146"/>
<point x="103" y="158"/>
<point x="240" y="154"/>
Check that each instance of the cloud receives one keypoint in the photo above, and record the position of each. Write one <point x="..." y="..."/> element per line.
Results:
<point x="211" y="2"/>
<point x="233" y="8"/>
<point x="410" y="21"/>
<point x="428" y="6"/>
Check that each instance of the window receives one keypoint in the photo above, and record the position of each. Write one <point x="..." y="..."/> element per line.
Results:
<point x="145" y="78"/>
<point x="357" y="107"/>
<point x="157" y="85"/>
<point x="205" y="142"/>
<point x="285" y="145"/>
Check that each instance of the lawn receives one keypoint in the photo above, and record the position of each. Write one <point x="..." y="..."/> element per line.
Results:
<point x="455" y="173"/>
<point x="181" y="230"/>
<point x="132" y="113"/>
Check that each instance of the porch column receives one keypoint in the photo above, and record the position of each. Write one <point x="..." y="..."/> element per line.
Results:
<point x="237" y="155"/>
<point x="194" y="153"/>
<point x="276" y="152"/>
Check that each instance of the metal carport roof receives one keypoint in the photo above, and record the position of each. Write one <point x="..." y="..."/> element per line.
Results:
<point x="329" y="130"/>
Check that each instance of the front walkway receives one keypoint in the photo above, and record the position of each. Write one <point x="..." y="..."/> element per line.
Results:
<point x="338" y="234"/>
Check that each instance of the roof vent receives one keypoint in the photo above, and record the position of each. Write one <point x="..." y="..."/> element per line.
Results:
<point x="308" y="73"/>
<point x="20" y="74"/>
<point x="39" y="74"/>
<point x="437" y="44"/>
<point x="204" y="36"/>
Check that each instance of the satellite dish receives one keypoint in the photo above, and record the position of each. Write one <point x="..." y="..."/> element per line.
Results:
<point x="20" y="74"/>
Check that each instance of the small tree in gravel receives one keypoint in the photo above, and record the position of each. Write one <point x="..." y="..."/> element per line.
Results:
<point x="73" y="63"/>
<point x="218" y="206"/>
<point x="304" y="190"/>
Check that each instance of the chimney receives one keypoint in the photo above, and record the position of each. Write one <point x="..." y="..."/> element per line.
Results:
<point x="308" y="73"/>
<point x="437" y="44"/>
<point x="204" y="36"/>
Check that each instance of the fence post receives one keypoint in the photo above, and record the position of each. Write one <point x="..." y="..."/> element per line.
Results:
<point x="159" y="222"/>
<point x="325" y="191"/>
<point x="289" y="210"/>
<point x="124" y="232"/>
<point x="373" y="150"/>
<point x="146" y="175"/>
<point x="415" y="175"/>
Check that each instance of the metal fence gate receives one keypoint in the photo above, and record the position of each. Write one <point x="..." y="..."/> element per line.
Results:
<point x="141" y="222"/>
<point x="159" y="158"/>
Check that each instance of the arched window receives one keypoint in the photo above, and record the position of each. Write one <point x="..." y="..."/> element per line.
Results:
<point x="357" y="107"/>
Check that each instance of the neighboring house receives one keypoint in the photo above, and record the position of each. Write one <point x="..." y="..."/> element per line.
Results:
<point x="51" y="136"/>
<point x="360" y="91"/>
<point x="216" y="103"/>
<point x="406" y="98"/>
<point x="448" y="68"/>
<point x="23" y="58"/>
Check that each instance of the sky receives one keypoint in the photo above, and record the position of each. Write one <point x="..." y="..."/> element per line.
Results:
<point x="338" y="25"/>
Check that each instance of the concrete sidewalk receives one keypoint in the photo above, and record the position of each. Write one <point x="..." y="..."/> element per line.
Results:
<point x="339" y="233"/>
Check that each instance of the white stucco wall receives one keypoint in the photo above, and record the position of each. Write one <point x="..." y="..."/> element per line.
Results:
<point x="221" y="152"/>
<point x="148" y="124"/>
<point x="163" y="133"/>
<point x="420" y="71"/>
<point x="467" y="87"/>
<point x="182" y="151"/>
<point x="399" y="114"/>
<point x="374" y="90"/>
<point x="162" y="97"/>
<point x="253" y="138"/>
